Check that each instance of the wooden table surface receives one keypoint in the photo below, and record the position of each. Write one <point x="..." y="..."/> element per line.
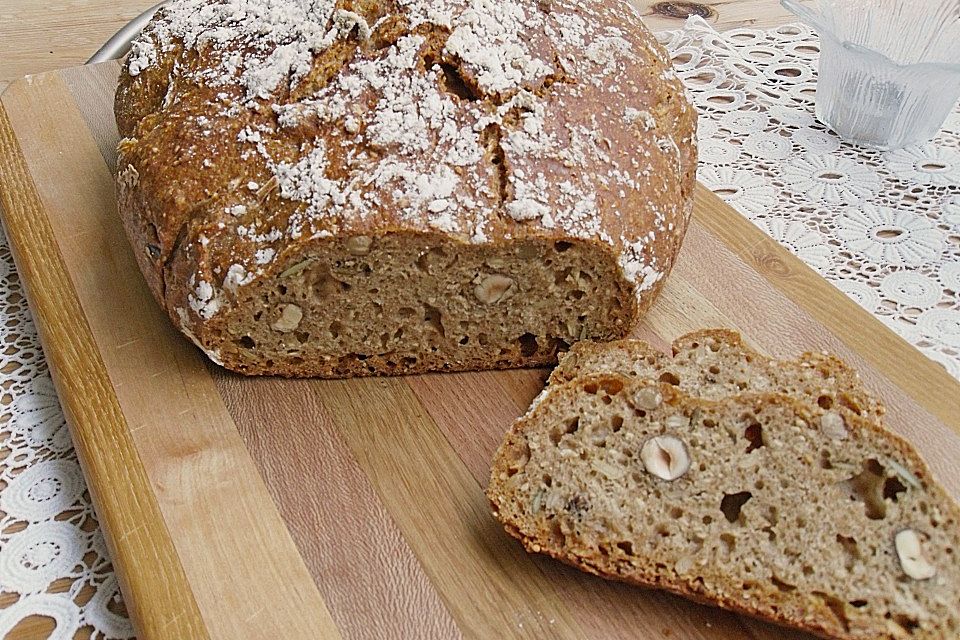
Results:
<point x="40" y="35"/>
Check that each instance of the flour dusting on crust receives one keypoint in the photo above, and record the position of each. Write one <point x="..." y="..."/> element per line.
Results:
<point x="483" y="119"/>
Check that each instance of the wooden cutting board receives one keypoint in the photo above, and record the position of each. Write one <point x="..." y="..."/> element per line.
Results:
<point x="265" y="508"/>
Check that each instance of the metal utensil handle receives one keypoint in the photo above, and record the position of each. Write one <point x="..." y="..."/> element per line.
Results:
<point x="119" y="44"/>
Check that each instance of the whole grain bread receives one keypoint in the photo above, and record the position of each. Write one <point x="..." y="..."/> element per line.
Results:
<point x="747" y="502"/>
<point x="352" y="187"/>
<point x="717" y="363"/>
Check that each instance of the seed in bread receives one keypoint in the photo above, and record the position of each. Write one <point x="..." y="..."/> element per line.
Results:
<point x="772" y="517"/>
<point x="466" y="185"/>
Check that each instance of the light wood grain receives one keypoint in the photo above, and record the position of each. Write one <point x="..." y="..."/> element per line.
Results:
<point x="139" y="541"/>
<point x="41" y="35"/>
<point x="369" y="576"/>
<point x="186" y="441"/>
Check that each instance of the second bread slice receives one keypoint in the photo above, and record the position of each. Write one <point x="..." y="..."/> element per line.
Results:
<point x="716" y="363"/>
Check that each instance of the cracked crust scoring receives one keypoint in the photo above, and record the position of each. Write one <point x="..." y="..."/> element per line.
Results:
<point x="257" y="131"/>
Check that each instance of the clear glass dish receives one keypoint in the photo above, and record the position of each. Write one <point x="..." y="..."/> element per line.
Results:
<point x="889" y="69"/>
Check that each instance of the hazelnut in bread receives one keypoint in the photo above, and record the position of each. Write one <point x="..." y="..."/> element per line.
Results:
<point x="356" y="187"/>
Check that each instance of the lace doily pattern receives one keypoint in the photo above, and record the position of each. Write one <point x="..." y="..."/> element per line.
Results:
<point x="53" y="560"/>
<point x="882" y="227"/>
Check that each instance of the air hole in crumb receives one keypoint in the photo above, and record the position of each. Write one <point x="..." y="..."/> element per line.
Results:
<point x="782" y="585"/>
<point x="431" y="315"/>
<point x="825" y="402"/>
<point x="483" y="339"/>
<point x="427" y="257"/>
<point x="858" y="604"/>
<point x="729" y="542"/>
<point x="570" y="427"/>
<point x="613" y="387"/>
<point x="714" y="369"/>
<point x="709" y="423"/>
<point x="258" y="315"/>
<point x="336" y="329"/>
<point x="909" y="624"/>
<point x="591" y="388"/>
<point x="528" y="345"/>
<point x="464" y="339"/>
<point x="892" y="488"/>
<point x="616" y="422"/>
<point x="676" y="512"/>
<point x="556" y="533"/>
<point x="247" y="342"/>
<point x="837" y="606"/>
<point x="867" y="487"/>
<point x="518" y="458"/>
<point x="754" y="435"/>
<point x="561" y="245"/>
<point x="825" y="462"/>
<point x="547" y="480"/>
<point x="707" y="520"/>
<point x="732" y="503"/>
<point x="850" y="550"/>
<point x="807" y="570"/>
<point x="670" y="378"/>
<point x="626" y="546"/>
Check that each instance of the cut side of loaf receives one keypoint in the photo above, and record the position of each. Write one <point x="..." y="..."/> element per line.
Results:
<point x="716" y="363"/>
<point x="746" y="502"/>
<point x="406" y="303"/>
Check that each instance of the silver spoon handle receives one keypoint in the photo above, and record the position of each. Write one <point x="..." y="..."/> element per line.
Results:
<point x="119" y="44"/>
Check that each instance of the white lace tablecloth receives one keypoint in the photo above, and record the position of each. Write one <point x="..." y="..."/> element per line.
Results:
<point x="883" y="227"/>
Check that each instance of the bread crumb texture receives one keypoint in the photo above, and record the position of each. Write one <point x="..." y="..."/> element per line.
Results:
<point x="521" y="167"/>
<point x="747" y="499"/>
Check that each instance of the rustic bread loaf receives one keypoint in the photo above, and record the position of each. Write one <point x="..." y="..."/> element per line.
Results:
<point x="716" y="363"/>
<point x="746" y="502"/>
<point x="351" y="187"/>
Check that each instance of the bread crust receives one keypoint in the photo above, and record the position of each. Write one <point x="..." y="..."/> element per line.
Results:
<point x="772" y="605"/>
<point x="212" y="179"/>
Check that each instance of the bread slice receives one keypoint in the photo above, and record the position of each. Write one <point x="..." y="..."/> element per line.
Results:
<point x="716" y="363"/>
<point x="774" y="516"/>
